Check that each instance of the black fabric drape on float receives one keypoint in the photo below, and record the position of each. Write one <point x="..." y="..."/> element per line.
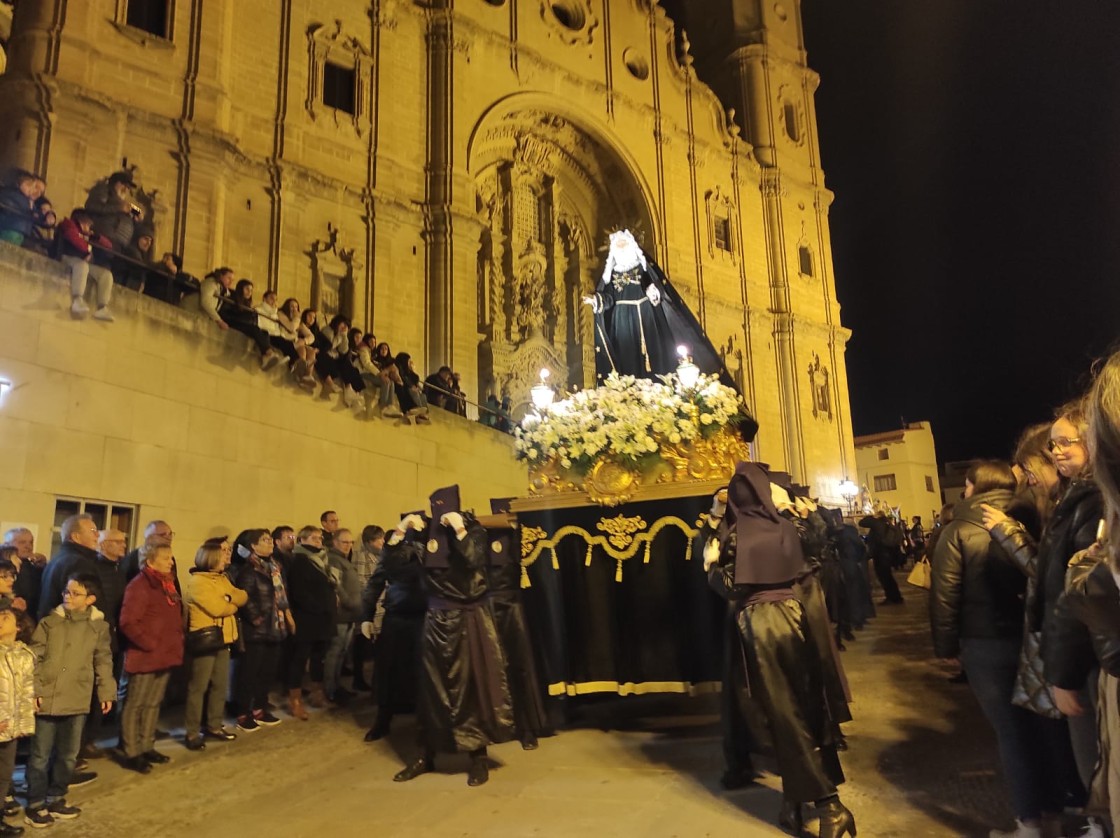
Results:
<point x="638" y="617"/>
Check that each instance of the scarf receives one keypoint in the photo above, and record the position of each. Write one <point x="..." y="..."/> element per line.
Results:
<point x="165" y="581"/>
<point x="271" y="569"/>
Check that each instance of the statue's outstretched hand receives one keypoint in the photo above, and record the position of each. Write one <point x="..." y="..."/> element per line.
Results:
<point x="653" y="294"/>
<point x="592" y="301"/>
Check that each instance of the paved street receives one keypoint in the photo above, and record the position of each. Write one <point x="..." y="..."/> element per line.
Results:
<point x="921" y="763"/>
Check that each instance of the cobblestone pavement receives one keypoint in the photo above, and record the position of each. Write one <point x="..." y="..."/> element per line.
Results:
<point x="921" y="763"/>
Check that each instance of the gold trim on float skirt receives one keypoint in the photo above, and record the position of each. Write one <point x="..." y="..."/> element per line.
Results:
<point x="630" y="688"/>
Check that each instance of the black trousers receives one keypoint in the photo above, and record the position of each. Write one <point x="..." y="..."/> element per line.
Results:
<point x="285" y="346"/>
<point x="883" y="568"/>
<point x="253" y="671"/>
<point x="306" y="654"/>
<point x="246" y="323"/>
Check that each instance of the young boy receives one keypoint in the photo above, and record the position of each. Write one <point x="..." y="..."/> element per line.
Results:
<point x="17" y="699"/>
<point x="68" y="643"/>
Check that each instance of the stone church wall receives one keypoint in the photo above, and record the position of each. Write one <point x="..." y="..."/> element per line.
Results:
<point x="162" y="410"/>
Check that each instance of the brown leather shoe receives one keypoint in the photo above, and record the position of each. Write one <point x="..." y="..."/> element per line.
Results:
<point x="295" y="705"/>
<point x="317" y="698"/>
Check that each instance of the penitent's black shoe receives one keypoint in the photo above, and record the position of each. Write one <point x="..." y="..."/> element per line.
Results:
<point x="734" y="779"/>
<point x="836" y="820"/>
<point x="413" y="770"/>
<point x="378" y="731"/>
<point x="479" y="772"/>
<point x="791" y="818"/>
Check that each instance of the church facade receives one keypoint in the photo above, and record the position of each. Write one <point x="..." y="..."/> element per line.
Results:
<point x="446" y="171"/>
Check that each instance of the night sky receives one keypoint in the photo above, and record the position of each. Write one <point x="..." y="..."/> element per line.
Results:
<point x="974" y="149"/>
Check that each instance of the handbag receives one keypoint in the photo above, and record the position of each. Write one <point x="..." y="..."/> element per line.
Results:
<point x="205" y="641"/>
<point x="920" y="576"/>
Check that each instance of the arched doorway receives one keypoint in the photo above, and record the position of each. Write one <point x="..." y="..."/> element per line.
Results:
<point x="547" y="192"/>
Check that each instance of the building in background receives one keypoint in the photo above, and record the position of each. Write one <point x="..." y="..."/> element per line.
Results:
<point x="899" y="468"/>
<point x="952" y="480"/>
<point x="445" y="173"/>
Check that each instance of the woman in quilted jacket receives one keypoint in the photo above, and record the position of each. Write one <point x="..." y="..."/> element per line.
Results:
<point x="212" y="600"/>
<point x="17" y="699"/>
<point x="1068" y="663"/>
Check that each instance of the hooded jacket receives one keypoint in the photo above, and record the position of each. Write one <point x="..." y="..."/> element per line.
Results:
<point x="72" y="656"/>
<point x="349" y="587"/>
<point x="975" y="592"/>
<point x="17" y="691"/>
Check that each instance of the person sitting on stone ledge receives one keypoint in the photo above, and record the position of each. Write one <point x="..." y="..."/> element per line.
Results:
<point x="287" y="317"/>
<point x="168" y="281"/>
<point x="132" y="271"/>
<point x="348" y="368"/>
<point x="42" y="239"/>
<point x="326" y="364"/>
<point x="76" y="240"/>
<point x="376" y="379"/>
<point x="437" y="389"/>
<point x="238" y="314"/>
<point x="409" y="394"/>
<point x="17" y="209"/>
<point x="459" y="404"/>
<point x="114" y="213"/>
<point x="268" y="320"/>
<point x="212" y="292"/>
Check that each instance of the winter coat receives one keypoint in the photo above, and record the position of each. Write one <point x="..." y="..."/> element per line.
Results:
<point x="111" y="216"/>
<point x="349" y="588"/>
<point x="71" y="558"/>
<point x="1067" y="649"/>
<point x="976" y="592"/>
<point x="112" y="589"/>
<point x="1030" y="689"/>
<point x="1092" y="598"/>
<point x="212" y="600"/>
<point x="258" y="623"/>
<point x="153" y="626"/>
<point x="73" y="242"/>
<point x="17" y="691"/>
<point x="312" y="595"/>
<point x="72" y="656"/>
<point x="210" y="296"/>
<point x="17" y="211"/>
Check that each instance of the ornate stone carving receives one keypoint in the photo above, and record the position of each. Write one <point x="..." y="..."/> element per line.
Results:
<point x="332" y="292"/>
<point x="820" y="389"/>
<point x="573" y="20"/>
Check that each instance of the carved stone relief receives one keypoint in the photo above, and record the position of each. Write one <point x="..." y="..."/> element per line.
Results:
<point x="820" y="389"/>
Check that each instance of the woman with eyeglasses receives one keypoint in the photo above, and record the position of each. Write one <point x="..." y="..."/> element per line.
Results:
<point x="1069" y="664"/>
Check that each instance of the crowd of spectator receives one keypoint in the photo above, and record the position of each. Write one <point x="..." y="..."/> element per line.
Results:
<point x="98" y="631"/>
<point x="1024" y="601"/>
<point x="110" y="241"/>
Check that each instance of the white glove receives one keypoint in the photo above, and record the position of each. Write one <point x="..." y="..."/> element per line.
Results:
<point x="367" y="630"/>
<point x="412" y="522"/>
<point x="653" y="294"/>
<point x="455" y="521"/>
<point x="711" y="553"/>
<point x="592" y="301"/>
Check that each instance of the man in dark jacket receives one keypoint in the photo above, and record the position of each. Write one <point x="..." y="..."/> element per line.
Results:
<point x="78" y="554"/>
<point x="882" y="556"/>
<point x="314" y="603"/>
<point x="29" y="566"/>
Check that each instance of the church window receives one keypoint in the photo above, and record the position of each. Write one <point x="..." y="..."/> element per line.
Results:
<point x="929" y="484"/>
<point x="721" y="231"/>
<point x="885" y="483"/>
<point x="884" y="454"/>
<point x="789" y="117"/>
<point x="805" y="260"/>
<point x="526" y="213"/>
<point x="151" y="16"/>
<point x="339" y="87"/>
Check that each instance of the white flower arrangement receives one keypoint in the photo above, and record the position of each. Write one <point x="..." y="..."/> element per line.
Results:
<point x="627" y="419"/>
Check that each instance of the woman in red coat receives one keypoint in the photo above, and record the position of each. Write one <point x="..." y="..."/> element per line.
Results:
<point x="152" y="621"/>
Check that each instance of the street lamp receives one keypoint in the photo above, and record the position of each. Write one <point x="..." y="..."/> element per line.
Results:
<point x="848" y="490"/>
<point x="542" y="394"/>
<point x="687" y="372"/>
